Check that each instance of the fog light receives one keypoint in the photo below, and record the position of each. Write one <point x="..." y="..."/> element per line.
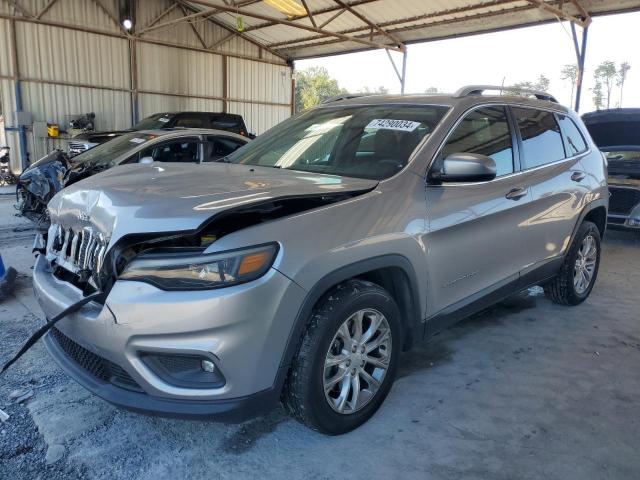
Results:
<point x="208" y="366"/>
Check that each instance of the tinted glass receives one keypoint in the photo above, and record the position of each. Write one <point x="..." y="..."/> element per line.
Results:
<point x="219" y="147"/>
<point x="191" y="121"/>
<point x="158" y="120"/>
<point x="184" y="150"/>
<point x="484" y="131"/>
<point x="107" y="153"/>
<point x="574" y="141"/>
<point x="541" y="138"/>
<point x="329" y="139"/>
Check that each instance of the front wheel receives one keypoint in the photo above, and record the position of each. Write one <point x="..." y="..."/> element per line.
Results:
<point x="347" y="361"/>
<point x="580" y="268"/>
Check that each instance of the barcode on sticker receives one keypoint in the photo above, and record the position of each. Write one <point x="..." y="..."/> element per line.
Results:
<point x="389" y="124"/>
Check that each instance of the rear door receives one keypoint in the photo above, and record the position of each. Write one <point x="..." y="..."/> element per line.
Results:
<point x="181" y="150"/>
<point x="551" y="161"/>
<point x="477" y="231"/>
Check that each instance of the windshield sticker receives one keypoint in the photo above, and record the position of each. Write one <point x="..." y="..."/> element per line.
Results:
<point x="163" y="119"/>
<point x="389" y="124"/>
<point x="137" y="140"/>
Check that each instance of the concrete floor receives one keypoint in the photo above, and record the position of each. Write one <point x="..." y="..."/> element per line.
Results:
<point x="527" y="389"/>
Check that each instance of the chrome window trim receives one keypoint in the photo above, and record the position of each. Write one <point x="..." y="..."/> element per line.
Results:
<point x="509" y="175"/>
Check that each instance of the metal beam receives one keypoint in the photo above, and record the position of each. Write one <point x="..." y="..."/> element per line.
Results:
<point x="580" y="57"/>
<point x="46" y="8"/>
<point x="240" y="34"/>
<point x="559" y="12"/>
<point x="288" y="23"/>
<point x="193" y="28"/>
<point x="107" y="33"/>
<point x="106" y="11"/>
<point x="224" y="39"/>
<point x="175" y="21"/>
<point x="426" y="16"/>
<point x="20" y="8"/>
<point x="15" y="67"/>
<point x="375" y="26"/>
<point x="163" y="14"/>
<point x="306" y="7"/>
<point x="332" y="18"/>
<point x="316" y="13"/>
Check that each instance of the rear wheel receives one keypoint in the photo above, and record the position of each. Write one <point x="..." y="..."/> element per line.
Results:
<point x="347" y="360"/>
<point x="579" y="271"/>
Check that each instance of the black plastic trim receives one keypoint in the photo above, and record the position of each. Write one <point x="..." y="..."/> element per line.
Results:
<point x="414" y="325"/>
<point x="228" y="410"/>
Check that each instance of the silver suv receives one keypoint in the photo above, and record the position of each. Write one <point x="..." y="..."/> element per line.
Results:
<point x="300" y="267"/>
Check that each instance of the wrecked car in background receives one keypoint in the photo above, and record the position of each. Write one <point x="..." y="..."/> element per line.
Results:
<point x="46" y="177"/>
<point x="616" y="132"/>
<point x="228" y="122"/>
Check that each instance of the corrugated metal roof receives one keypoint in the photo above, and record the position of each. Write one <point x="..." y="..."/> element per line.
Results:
<point x="382" y="21"/>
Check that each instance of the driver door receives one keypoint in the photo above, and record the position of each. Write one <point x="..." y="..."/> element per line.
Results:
<point x="477" y="231"/>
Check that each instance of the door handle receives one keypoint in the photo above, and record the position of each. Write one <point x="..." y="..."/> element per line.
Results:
<point x="578" y="176"/>
<point x="516" y="194"/>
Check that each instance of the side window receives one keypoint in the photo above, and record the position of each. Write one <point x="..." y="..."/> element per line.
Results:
<point x="574" y="143"/>
<point x="484" y="131"/>
<point x="225" y="122"/>
<point x="541" y="138"/>
<point x="218" y="147"/>
<point x="184" y="150"/>
<point x="190" y="121"/>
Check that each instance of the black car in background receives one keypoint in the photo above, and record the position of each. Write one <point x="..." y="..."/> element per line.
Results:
<point x="214" y="120"/>
<point x="617" y="134"/>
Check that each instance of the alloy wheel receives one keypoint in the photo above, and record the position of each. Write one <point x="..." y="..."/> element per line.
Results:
<point x="357" y="361"/>
<point x="585" y="264"/>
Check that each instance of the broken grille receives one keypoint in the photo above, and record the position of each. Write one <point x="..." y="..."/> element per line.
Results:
<point x="80" y="252"/>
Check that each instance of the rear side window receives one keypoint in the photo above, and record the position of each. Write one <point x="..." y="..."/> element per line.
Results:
<point x="219" y="147"/>
<point x="190" y="121"/>
<point x="541" y="137"/>
<point x="484" y="131"/>
<point x="574" y="143"/>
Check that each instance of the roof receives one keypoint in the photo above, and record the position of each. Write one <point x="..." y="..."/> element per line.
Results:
<point x="329" y="27"/>
<point x="445" y="100"/>
<point x="185" y="132"/>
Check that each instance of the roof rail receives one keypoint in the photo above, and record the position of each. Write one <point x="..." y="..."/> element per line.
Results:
<point x="345" y="96"/>
<point x="479" y="89"/>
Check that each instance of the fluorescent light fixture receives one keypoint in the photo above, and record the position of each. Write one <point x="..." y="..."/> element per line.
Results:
<point x="290" y="8"/>
<point x="127" y="24"/>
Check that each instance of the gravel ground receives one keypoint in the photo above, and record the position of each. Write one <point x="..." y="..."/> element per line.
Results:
<point x="526" y="389"/>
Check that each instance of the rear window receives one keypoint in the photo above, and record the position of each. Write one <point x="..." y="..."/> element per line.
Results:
<point x="574" y="141"/>
<point x="541" y="138"/>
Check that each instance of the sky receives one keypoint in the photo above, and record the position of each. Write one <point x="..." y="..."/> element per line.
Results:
<point x="514" y="55"/>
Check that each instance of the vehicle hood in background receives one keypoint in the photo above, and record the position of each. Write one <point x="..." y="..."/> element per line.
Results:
<point x="170" y="197"/>
<point x="615" y="127"/>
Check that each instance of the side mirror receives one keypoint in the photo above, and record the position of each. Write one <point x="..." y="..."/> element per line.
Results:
<point x="146" y="160"/>
<point x="464" y="167"/>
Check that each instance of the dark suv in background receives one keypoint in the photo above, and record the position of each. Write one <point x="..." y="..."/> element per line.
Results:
<point x="616" y="132"/>
<point x="213" y="120"/>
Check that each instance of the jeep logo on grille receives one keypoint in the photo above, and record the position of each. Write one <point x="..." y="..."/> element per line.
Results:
<point x="83" y="217"/>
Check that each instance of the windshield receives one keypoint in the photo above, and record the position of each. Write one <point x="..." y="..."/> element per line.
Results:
<point x="154" y="122"/>
<point x="106" y="153"/>
<point x="373" y="141"/>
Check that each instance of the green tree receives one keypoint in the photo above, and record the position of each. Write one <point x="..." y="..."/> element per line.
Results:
<point x="541" y="83"/>
<point x="598" y="97"/>
<point x="605" y="77"/>
<point x="313" y="86"/>
<point x="621" y="77"/>
<point x="381" y="90"/>
<point x="570" y="72"/>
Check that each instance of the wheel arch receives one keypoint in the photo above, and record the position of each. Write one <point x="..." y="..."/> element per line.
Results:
<point x="392" y="272"/>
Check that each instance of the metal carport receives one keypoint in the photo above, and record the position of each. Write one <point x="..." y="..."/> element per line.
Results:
<point x="233" y="55"/>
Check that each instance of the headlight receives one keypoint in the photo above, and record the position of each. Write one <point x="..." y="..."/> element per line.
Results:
<point x="198" y="271"/>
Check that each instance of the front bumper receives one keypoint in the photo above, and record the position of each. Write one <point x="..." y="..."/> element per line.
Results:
<point x="243" y="329"/>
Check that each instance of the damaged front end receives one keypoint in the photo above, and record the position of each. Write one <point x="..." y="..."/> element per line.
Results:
<point x="82" y="255"/>
<point x="38" y="184"/>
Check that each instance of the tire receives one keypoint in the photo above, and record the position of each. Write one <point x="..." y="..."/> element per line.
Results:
<point x="562" y="289"/>
<point x="304" y="395"/>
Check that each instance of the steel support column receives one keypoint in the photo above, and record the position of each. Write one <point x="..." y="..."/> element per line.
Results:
<point x="22" y="132"/>
<point x="401" y="76"/>
<point x="580" y="57"/>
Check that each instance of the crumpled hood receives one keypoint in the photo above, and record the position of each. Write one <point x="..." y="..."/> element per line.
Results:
<point x="170" y="197"/>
